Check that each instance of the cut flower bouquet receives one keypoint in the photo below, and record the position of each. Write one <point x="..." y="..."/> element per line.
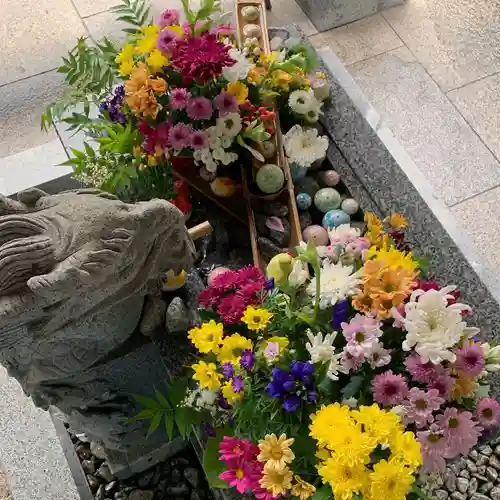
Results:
<point x="345" y="373"/>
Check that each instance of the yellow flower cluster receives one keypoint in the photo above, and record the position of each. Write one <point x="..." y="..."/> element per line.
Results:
<point x="256" y="319"/>
<point x="276" y="454"/>
<point x="208" y="337"/>
<point x="348" y="440"/>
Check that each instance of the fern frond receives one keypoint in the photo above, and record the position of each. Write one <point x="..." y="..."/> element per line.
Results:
<point x="136" y="13"/>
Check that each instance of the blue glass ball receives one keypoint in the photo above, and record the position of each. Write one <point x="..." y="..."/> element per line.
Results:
<point x="304" y="201"/>
<point x="334" y="218"/>
<point x="298" y="172"/>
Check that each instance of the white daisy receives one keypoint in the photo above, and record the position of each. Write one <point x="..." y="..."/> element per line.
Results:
<point x="304" y="146"/>
<point x="301" y="101"/>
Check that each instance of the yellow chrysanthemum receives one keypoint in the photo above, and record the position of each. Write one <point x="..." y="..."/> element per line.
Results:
<point x="345" y="480"/>
<point x="352" y="446"/>
<point x="397" y="221"/>
<point x="393" y="259"/>
<point x="147" y="43"/>
<point x="390" y="480"/>
<point x="322" y="454"/>
<point x="302" y="489"/>
<point x="231" y="349"/>
<point x="281" y="78"/>
<point x="208" y="337"/>
<point x="229" y="393"/>
<point x="405" y="448"/>
<point x="276" y="451"/>
<point x="329" y="420"/>
<point x="256" y="319"/>
<point x="156" y="60"/>
<point x="238" y="90"/>
<point x="379" y="424"/>
<point x="277" y="481"/>
<point x="464" y="386"/>
<point x="206" y="374"/>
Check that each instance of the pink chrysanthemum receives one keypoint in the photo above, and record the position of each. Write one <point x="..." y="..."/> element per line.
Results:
<point x="389" y="389"/>
<point x="460" y="431"/>
<point x="231" y="309"/>
<point x="179" y="136"/>
<point x="420" y="405"/>
<point x="443" y="383"/>
<point x="241" y="475"/>
<point x="225" y="281"/>
<point x="420" y="372"/>
<point x="361" y="333"/>
<point x="433" y="448"/>
<point x="231" y="448"/>
<point x="251" y="274"/>
<point x="199" y="108"/>
<point x="470" y="359"/>
<point x="226" y="103"/>
<point x="350" y="362"/>
<point x="169" y="17"/>
<point x="179" y="98"/>
<point x="166" y="41"/>
<point x="250" y="293"/>
<point x="202" y="58"/>
<point x="488" y="412"/>
<point x="199" y="139"/>
<point x="209" y="297"/>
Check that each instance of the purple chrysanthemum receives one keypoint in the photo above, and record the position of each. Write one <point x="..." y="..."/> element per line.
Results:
<point x="169" y="17"/>
<point x="389" y="389"/>
<point x="179" y="98"/>
<point x="179" y="136"/>
<point x="199" y="108"/>
<point x="470" y="359"/>
<point x="488" y="412"/>
<point x="228" y="370"/>
<point x="199" y="139"/>
<point x="247" y="359"/>
<point x="165" y="41"/>
<point x="237" y="383"/>
<point x="226" y="103"/>
<point x="420" y="405"/>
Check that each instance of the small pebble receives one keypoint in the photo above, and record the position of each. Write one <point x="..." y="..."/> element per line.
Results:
<point x="110" y="488"/>
<point x="88" y="466"/>
<point x="465" y="473"/>
<point x="104" y="473"/>
<point x="335" y="218"/>
<point x="298" y="172"/>
<point x="473" y="484"/>
<point x="497" y="449"/>
<point x="479" y="496"/>
<point x="177" y="490"/>
<point x="495" y="493"/>
<point x="462" y="484"/>
<point x="274" y="208"/>
<point x="192" y="476"/>
<point x="471" y="465"/>
<point x="473" y="454"/>
<point x="83" y="451"/>
<point x="304" y="201"/>
<point x="327" y="199"/>
<point x="441" y="494"/>
<point x="456" y="495"/>
<point x="317" y="233"/>
<point x="141" y="495"/>
<point x="82" y="437"/>
<point x="491" y="474"/>
<point x="494" y="462"/>
<point x="93" y="483"/>
<point x="485" y="450"/>
<point x="450" y="480"/>
<point x="481" y="460"/>
<point x="100" y="493"/>
<point x="480" y="477"/>
<point x="481" y="469"/>
<point x="485" y="487"/>
<point x="329" y="178"/>
<point x="98" y="450"/>
<point x="350" y="206"/>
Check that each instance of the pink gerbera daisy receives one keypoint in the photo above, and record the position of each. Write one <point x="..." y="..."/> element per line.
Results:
<point x="231" y="309"/>
<point x="251" y="274"/>
<point x="165" y="41"/>
<point x="433" y="447"/>
<point x="460" y="431"/>
<point x="389" y="389"/>
<point x="470" y="359"/>
<point x="488" y="412"/>
<point x="199" y="139"/>
<point x="231" y="448"/>
<point x="241" y="475"/>
<point x="179" y="136"/>
<point x="179" y="98"/>
<point x="420" y="405"/>
<point x="199" y="108"/>
<point x="226" y="103"/>
<point x="361" y="333"/>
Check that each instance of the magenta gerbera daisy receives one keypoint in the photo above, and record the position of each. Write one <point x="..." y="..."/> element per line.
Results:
<point x="250" y="293"/>
<point x="226" y="103"/>
<point x="470" y="359"/>
<point x="231" y="309"/>
<point x="179" y="136"/>
<point x="225" y="281"/>
<point x="389" y="389"/>
<point x="488" y="412"/>
<point x="209" y="297"/>
<point x="231" y="448"/>
<point x="241" y="475"/>
<point x="179" y="98"/>
<point x="420" y="406"/>
<point x="199" y="108"/>
<point x="199" y="139"/>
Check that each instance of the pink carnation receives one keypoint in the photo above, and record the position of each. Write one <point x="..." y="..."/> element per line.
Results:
<point x="389" y="389"/>
<point x="488" y="412"/>
<point x="226" y="103"/>
<point x="199" y="108"/>
<point x="443" y="382"/>
<point x="231" y="448"/>
<point x="420" y="372"/>
<point x="231" y="309"/>
<point x="361" y="333"/>
<point x="199" y="139"/>
<point x="470" y="359"/>
<point x="421" y="405"/>
<point x="169" y="17"/>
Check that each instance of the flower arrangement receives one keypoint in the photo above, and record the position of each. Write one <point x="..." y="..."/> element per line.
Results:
<point x="346" y="373"/>
<point x="174" y="89"/>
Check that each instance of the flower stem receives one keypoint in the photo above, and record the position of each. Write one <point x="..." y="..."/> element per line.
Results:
<point x="317" y="274"/>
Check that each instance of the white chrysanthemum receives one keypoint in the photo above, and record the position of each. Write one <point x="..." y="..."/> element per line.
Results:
<point x="312" y="114"/>
<point x="378" y="356"/>
<point x="320" y="348"/>
<point x="491" y="357"/>
<point x="336" y="283"/>
<point x="334" y="367"/>
<point x="299" y="274"/>
<point x="301" y="101"/>
<point x="304" y="146"/>
<point x="226" y="141"/>
<point x="229" y="125"/>
<point x="343" y="234"/>
<point x="238" y="71"/>
<point x="433" y="327"/>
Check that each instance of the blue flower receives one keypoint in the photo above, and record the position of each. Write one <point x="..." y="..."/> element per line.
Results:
<point x="291" y="404"/>
<point x="269" y="286"/>
<point x="247" y="359"/>
<point x="340" y="313"/>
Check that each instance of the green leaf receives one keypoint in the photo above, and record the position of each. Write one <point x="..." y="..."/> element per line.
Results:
<point x="169" y="424"/>
<point x="147" y="402"/>
<point x="143" y="415"/>
<point x="162" y="399"/>
<point x="155" y="423"/>
<point x="353" y="387"/>
<point x="323" y="493"/>
<point x="212" y="465"/>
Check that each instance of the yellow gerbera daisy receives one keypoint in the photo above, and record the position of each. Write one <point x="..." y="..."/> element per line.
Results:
<point x="379" y="424"/>
<point x="208" y="337"/>
<point x="238" y="90"/>
<point x="393" y="258"/>
<point x="390" y="480"/>
<point x="256" y="319"/>
<point x="206" y="374"/>
<point x="231" y="349"/>
<point x="302" y="489"/>
<point x="327" y="421"/>
<point x="276" y="451"/>
<point x="277" y="481"/>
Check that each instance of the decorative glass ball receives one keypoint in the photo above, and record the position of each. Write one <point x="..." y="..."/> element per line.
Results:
<point x="334" y="218"/>
<point x="329" y="178"/>
<point x="317" y="234"/>
<point x="350" y="206"/>
<point x="270" y="178"/>
<point x="304" y="201"/>
<point x="327" y="199"/>
<point x="298" y="172"/>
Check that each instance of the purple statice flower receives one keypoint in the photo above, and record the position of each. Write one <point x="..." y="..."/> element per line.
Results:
<point x="199" y="139"/>
<point x="169" y="17"/>
<point x="165" y="41"/>
<point x="470" y="359"/>
<point x="361" y="333"/>
<point x="488" y="412"/>
<point x="434" y="449"/>
<point x="179" y="136"/>
<point x="237" y="383"/>
<point x="199" y="108"/>
<point x="228" y="371"/>
<point x="420" y="406"/>
<point x="226" y="103"/>
<point x="247" y="359"/>
<point x="459" y="430"/>
<point x="112" y="105"/>
<point x="389" y="389"/>
<point x="179" y="98"/>
<point x="340" y="313"/>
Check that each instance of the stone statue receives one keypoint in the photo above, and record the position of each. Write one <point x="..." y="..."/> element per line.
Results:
<point x="75" y="269"/>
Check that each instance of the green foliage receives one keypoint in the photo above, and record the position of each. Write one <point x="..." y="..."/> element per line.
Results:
<point x="135" y="13"/>
<point x="323" y="493"/>
<point x="211" y="463"/>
